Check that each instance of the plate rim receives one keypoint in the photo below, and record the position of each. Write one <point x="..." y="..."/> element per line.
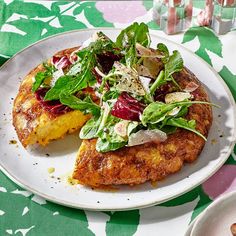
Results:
<point x="53" y="199"/>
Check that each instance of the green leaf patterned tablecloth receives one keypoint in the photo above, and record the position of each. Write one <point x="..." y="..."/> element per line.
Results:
<point x="22" y="213"/>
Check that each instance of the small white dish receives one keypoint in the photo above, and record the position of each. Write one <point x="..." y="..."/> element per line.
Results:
<point x="217" y="218"/>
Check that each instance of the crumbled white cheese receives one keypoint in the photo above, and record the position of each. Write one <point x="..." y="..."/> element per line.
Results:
<point x="146" y="136"/>
<point x="177" y="97"/>
<point x="129" y="80"/>
<point x="175" y="111"/>
<point x="145" y="82"/>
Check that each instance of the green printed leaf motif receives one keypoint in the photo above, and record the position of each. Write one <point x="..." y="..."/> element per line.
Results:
<point x="187" y="197"/>
<point x="208" y="41"/>
<point x="153" y="25"/>
<point x="148" y="4"/>
<point x="203" y="203"/>
<point x="122" y="223"/>
<point x="37" y="21"/>
<point x="198" y="192"/>
<point x="94" y="16"/>
<point x="231" y="159"/>
<point x="42" y="217"/>
<point x="3" y="60"/>
<point x="230" y="80"/>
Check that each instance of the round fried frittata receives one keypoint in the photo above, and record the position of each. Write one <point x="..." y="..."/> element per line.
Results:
<point x="128" y="165"/>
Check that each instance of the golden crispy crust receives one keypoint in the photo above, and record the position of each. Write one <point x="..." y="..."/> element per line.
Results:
<point x="27" y="110"/>
<point x="136" y="165"/>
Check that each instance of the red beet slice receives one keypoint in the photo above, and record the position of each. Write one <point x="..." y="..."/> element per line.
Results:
<point x="61" y="62"/>
<point x="106" y="60"/>
<point x="55" y="107"/>
<point x="127" y="107"/>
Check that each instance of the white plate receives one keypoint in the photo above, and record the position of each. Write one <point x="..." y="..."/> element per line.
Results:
<point x="217" y="217"/>
<point x="20" y="164"/>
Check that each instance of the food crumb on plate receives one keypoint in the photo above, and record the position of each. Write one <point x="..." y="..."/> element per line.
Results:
<point x="213" y="141"/>
<point x="51" y="170"/>
<point x="72" y="181"/>
<point x="12" y="141"/>
<point x="154" y="184"/>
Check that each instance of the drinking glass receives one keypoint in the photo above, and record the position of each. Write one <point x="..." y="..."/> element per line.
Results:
<point x="174" y="16"/>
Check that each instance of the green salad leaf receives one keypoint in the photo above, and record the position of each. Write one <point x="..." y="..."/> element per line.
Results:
<point x="137" y="33"/>
<point x="39" y="79"/>
<point x="90" y="129"/>
<point x="168" y="129"/>
<point x="42" y="76"/>
<point x="132" y="127"/>
<point x="108" y="145"/>
<point x="157" y="111"/>
<point x="161" y="47"/>
<point x="130" y="56"/>
<point x="108" y="139"/>
<point x="103" y="128"/>
<point x="87" y="106"/>
<point x="156" y="115"/>
<point x="70" y="84"/>
<point x="172" y="64"/>
<point x="185" y="124"/>
<point x="63" y="84"/>
<point x="110" y="95"/>
<point x="160" y="80"/>
<point x="127" y="39"/>
<point x="80" y="75"/>
<point x="102" y="44"/>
